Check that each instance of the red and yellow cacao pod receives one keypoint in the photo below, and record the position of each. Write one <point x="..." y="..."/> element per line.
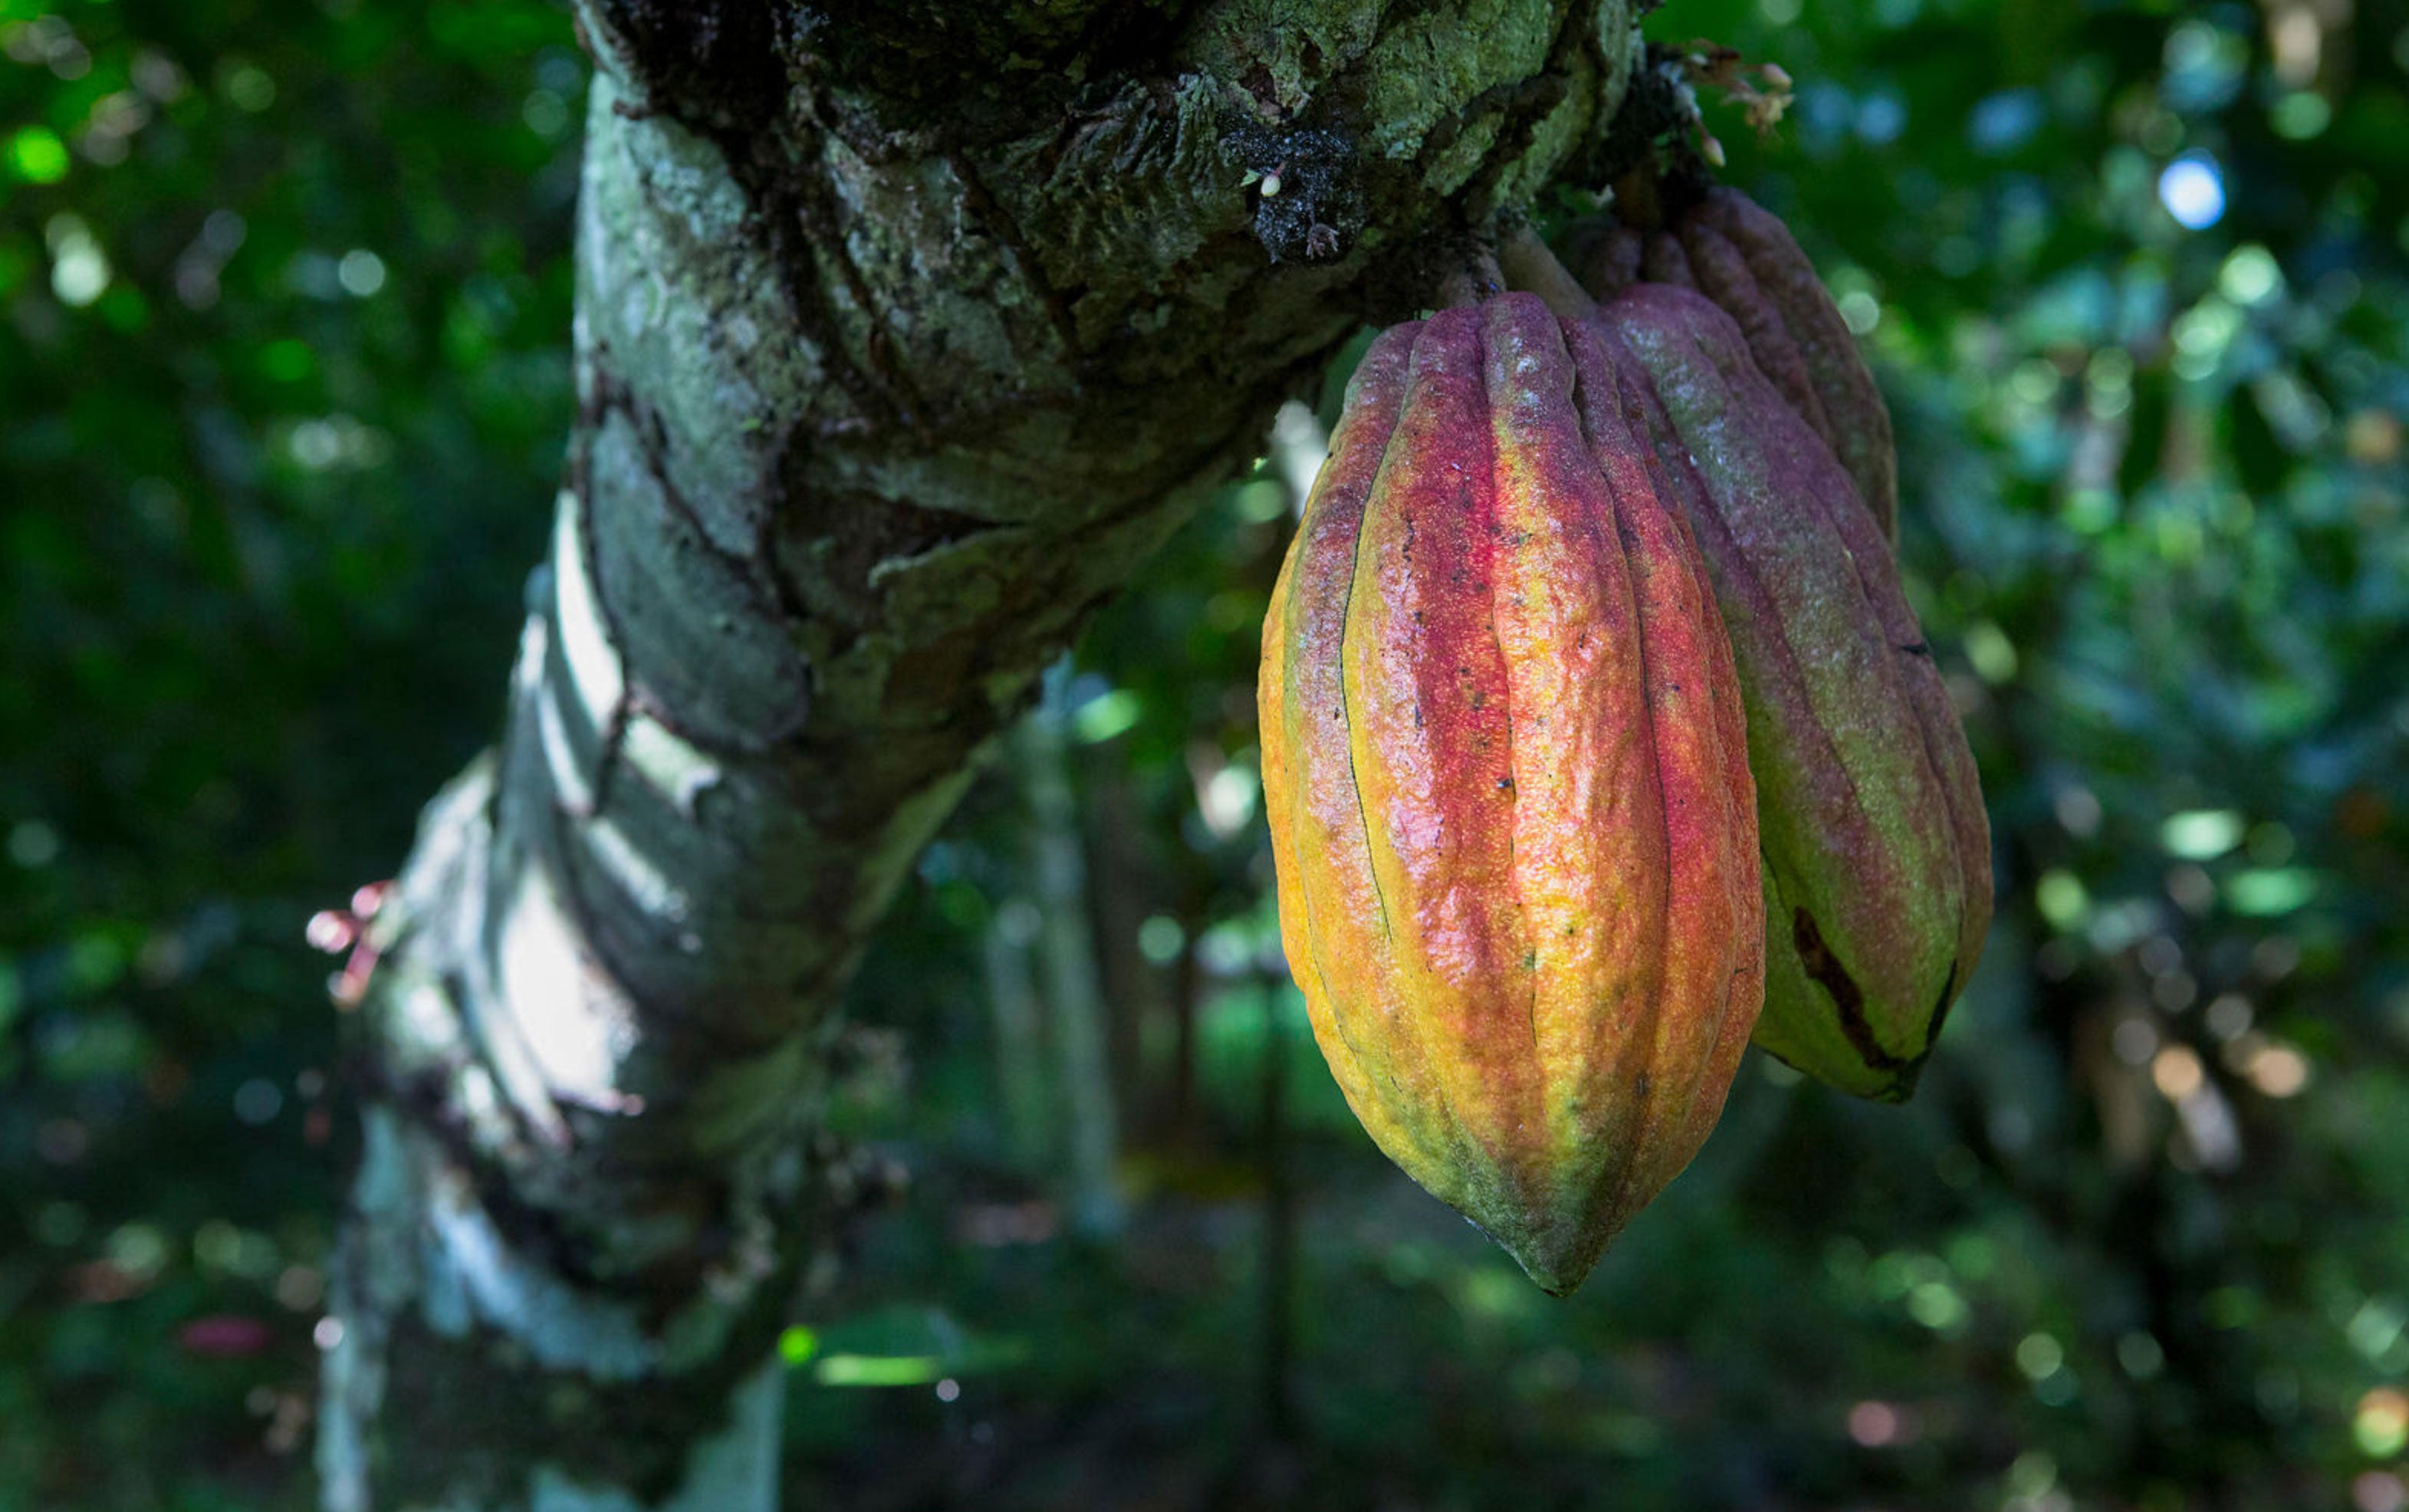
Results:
<point x="1505" y="774"/>
<point x="1877" y="862"/>
<point x="1744" y="259"/>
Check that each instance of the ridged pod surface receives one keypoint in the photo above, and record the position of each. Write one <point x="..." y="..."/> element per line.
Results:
<point x="1505" y="769"/>
<point x="1877" y="851"/>
<point x="1742" y="258"/>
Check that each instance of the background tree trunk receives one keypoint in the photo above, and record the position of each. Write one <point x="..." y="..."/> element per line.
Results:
<point x="1075" y="996"/>
<point x="903" y="333"/>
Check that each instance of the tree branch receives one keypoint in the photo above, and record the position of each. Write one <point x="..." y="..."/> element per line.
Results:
<point x="903" y="333"/>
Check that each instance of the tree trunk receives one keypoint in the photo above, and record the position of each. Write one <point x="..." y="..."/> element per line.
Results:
<point x="1020" y="1075"/>
<point x="1074" y="994"/>
<point x="904" y="332"/>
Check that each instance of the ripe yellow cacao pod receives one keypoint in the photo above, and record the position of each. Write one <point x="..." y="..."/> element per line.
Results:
<point x="1505" y="769"/>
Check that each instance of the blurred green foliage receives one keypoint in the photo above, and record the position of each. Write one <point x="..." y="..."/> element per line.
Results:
<point x="283" y="307"/>
<point x="285" y="302"/>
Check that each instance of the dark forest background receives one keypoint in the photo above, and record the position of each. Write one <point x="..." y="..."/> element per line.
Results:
<point x="285" y="299"/>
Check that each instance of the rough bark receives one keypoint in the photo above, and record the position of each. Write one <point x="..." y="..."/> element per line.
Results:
<point x="904" y="332"/>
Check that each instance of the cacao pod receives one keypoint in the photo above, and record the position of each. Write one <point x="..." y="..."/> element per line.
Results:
<point x="1505" y="774"/>
<point x="1876" y="849"/>
<point x="1744" y="259"/>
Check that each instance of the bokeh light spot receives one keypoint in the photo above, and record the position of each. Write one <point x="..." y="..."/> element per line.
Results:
<point x="2040" y="1355"/>
<point x="2300" y="115"/>
<point x="1875" y="1424"/>
<point x="361" y="272"/>
<point x="2178" y="1072"/>
<point x="2381" y="1423"/>
<point x="2193" y="192"/>
<point x="36" y="155"/>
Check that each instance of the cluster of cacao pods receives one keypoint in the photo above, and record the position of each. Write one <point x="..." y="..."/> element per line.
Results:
<point x="1598" y="736"/>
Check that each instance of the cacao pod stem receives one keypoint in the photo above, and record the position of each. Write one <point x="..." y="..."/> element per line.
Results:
<point x="1529" y="265"/>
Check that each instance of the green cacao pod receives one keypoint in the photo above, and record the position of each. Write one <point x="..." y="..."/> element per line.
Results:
<point x="1744" y="259"/>
<point x="1506" y="774"/>
<point x="1876" y="849"/>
